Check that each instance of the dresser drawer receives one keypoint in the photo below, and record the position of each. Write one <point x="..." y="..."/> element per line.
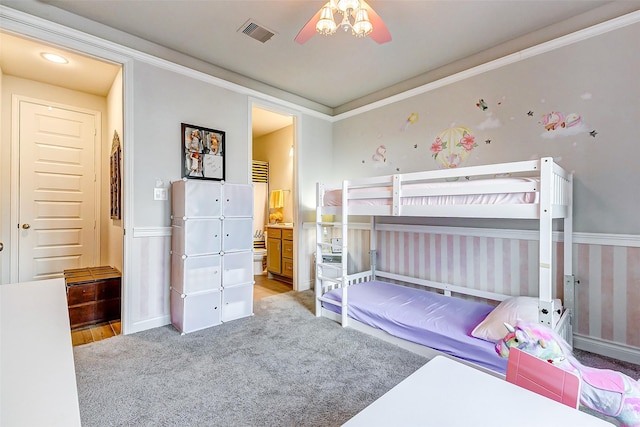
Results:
<point x="108" y="289"/>
<point x="79" y="294"/>
<point x="287" y="234"/>
<point x="274" y="233"/>
<point x="287" y="267"/>
<point x="287" y="249"/>
<point x="82" y="315"/>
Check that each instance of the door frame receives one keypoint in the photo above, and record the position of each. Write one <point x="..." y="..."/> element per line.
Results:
<point x="15" y="173"/>
<point x="297" y="220"/>
<point x="49" y="32"/>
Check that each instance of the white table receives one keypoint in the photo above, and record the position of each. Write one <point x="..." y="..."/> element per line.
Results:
<point x="448" y="393"/>
<point x="37" y="373"/>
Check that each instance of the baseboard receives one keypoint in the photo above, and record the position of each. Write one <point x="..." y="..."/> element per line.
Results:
<point x="305" y="286"/>
<point x="607" y="348"/>
<point x="148" y="324"/>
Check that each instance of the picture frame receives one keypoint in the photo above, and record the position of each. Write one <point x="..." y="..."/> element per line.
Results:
<point x="203" y="152"/>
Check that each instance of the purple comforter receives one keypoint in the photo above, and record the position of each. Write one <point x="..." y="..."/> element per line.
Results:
<point x="434" y="320"/>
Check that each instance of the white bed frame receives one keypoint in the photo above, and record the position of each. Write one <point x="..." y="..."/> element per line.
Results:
<point x="554" y="201"/>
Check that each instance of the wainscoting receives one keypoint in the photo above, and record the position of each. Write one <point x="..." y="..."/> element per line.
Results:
<point x="607" y="267"/>
<point x="147" y="293"/>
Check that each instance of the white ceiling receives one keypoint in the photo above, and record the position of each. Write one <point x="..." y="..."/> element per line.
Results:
<point x="22" y="58"/>
<point x="429" y="38"/>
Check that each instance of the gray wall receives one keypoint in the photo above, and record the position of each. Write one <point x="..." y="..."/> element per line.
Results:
<point x="163" y="100"/>
<point x="596" y="79"/>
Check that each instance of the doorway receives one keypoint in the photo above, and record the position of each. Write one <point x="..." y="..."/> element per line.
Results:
<point x="273" y="149"/>
<point x="61" y="108"/>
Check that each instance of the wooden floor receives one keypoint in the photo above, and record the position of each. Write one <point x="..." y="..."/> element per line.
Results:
<point x="264" y="287"/>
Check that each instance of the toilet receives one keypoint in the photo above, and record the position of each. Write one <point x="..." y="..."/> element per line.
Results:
<point x="259" y="260"/>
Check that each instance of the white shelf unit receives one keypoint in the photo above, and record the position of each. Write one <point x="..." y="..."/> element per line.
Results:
<point x="211" y="253"/>
<point x="330" y="247"/>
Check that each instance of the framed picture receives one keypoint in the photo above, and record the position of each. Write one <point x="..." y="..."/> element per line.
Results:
<point x="202" y="152"/>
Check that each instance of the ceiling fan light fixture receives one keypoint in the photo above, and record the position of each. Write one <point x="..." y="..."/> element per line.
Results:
<point x="351" y="16"/>
<point x="345" y="5"/>
<point x="362" y="26"/>
<point x="326" y="25"/>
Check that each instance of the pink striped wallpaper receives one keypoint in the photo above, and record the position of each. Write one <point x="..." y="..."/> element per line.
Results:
<point x="607" y="297"/>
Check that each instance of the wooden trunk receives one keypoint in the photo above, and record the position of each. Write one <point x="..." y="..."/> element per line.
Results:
<point x="93" y="295"/>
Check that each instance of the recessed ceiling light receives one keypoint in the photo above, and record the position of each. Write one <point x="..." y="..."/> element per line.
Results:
<point x="54" y="58"/>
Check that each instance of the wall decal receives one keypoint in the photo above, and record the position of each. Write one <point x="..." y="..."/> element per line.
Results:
<point x="452" y="146"/>
<point x="481" y="104"/>
<point x="558" y="124"/>
<point x="530" y="113"/>
<point x="412" y="119"/>
<point x="593" y="133"/>
<point x="380" y="155"/>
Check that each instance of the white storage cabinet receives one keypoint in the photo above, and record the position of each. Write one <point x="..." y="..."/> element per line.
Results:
<point x="211" y="253"/>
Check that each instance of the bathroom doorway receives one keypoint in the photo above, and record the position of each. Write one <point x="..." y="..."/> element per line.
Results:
<point x="273" y="176"/>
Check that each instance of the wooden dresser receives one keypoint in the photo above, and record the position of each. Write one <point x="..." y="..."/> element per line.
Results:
<point x="93" y="295"/>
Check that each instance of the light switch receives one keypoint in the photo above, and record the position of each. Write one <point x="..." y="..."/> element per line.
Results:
<point x="159" y="194"/>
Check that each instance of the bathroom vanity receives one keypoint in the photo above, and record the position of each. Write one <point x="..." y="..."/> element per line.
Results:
<point x="280" y="252"/>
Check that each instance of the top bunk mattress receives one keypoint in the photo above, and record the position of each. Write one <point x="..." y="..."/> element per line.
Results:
<point x="475" y="195"/>
<point x="427" y="318"/>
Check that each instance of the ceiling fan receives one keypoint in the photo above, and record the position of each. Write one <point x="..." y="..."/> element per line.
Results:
<point x="354" y="15"/>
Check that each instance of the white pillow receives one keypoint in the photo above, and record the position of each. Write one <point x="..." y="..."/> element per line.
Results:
<point x="510" y="310"/>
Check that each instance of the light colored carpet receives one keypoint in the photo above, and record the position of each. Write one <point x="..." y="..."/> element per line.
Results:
<point x="280" y="367"/>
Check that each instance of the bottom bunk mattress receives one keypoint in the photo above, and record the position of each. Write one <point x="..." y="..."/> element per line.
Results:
<point x="427" y="318"/>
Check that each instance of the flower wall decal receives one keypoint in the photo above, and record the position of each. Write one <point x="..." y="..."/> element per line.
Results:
<point x="452" y="146"/>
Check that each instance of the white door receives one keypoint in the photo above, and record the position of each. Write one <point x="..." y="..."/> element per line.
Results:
<point x="57" y="201"/>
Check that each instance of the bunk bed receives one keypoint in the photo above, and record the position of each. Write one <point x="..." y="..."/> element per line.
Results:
<point x="434" y="320"/>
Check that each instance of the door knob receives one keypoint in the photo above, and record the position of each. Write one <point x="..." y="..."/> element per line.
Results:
<point x="26" y="226"/>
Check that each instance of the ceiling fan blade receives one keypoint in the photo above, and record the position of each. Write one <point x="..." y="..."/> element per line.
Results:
<point x="309" y="29"/>
<point x="380" y="33"/>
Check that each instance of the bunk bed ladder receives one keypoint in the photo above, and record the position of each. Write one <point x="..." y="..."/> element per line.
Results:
<point x="327" y="275"/>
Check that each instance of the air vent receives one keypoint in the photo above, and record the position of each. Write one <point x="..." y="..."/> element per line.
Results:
<point x="256" y="31"/>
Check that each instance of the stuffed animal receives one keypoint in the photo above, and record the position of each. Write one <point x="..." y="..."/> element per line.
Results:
<point x="608" y="392"/>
